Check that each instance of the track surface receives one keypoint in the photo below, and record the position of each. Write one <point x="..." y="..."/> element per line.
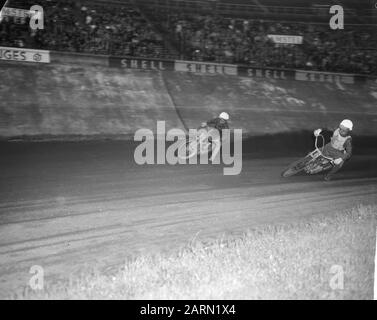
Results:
<point x="68" y="205"/>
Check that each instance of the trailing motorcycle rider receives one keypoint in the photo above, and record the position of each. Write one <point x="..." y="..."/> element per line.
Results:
<point x="340" y="146"/>
<point x="219" y="123"/>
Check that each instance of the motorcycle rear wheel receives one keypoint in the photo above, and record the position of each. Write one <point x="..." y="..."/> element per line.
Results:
<point x="188" y="150"/>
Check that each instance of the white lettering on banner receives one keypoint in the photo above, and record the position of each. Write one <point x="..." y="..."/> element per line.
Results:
<point x="14" y="12"/>
<point x="142" y="64"/>
<point x="324" y="77"/>
<point x="134" y="64"/>
<point x="206" y="68"/>
<point x="266" y="73"/>
<point x="21" y="54"/>
<point x="286" y="39"/>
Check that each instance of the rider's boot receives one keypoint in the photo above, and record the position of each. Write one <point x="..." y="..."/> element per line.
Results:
<point x="215" y="157"/>
<point x="215" y="154"/>
<point x="334" y="170"/>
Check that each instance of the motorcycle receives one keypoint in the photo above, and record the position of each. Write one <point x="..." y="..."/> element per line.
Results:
<point x="313" y="163"/>
<point x="197" y="145"/>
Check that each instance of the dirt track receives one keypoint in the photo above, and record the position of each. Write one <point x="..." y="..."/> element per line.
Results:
<point x="65" y="205"/>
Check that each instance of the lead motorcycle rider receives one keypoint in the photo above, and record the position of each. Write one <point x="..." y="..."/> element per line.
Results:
<point x="340" y="146"/>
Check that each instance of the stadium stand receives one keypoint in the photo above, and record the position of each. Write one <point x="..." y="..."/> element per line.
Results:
<point x="91" y="28"/>
<point x="208" y="38"/>
<point x="127" y="29"/>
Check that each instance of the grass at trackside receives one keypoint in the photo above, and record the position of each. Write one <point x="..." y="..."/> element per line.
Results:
<point x="286" y="261"/>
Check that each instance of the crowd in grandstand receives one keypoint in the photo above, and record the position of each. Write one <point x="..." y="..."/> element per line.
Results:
<point x="115" y="30"/>
<point x="246" y="41"/>
<point x="95" y="28"/>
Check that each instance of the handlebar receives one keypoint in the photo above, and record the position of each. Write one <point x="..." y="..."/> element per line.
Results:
<point x="321" y="149"/>
<point x="316" y="141"/>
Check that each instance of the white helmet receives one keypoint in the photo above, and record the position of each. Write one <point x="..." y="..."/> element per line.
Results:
<point x="224" y="115"/>
<point x="347" y="124"/>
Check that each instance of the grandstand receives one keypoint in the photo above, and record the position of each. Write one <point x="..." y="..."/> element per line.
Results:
<point x="219" y="31"/>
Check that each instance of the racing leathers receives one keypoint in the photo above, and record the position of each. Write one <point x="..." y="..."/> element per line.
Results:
<point x="339" y="148"/>
<point x="219" y="124"/>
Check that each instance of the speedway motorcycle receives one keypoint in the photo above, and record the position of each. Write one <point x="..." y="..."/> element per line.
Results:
<point x="313" y="163"/>
<point x="197" y="145"/>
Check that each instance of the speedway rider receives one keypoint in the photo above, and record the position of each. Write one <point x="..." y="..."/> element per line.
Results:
<point x="340" y="146"/>
<point x="219" y="123"/>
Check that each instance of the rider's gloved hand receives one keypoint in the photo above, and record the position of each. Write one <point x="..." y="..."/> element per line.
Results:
<point x="338" y="161"/>
<point x="317" y="132"/>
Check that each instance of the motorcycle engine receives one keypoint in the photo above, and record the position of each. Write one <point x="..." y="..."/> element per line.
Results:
<point x="317" y="166"/>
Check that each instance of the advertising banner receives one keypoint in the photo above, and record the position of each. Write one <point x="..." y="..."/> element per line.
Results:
<point x="316" y="76"/>
<point x="22" y="54"/>
<point x="205" y="68"/>
<point x="141" y="63"/>
<point x="209" y="68"/>
<point x="14" y="12"/>
<point x="285" y="39"/>
<point x="253" y="72"/>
